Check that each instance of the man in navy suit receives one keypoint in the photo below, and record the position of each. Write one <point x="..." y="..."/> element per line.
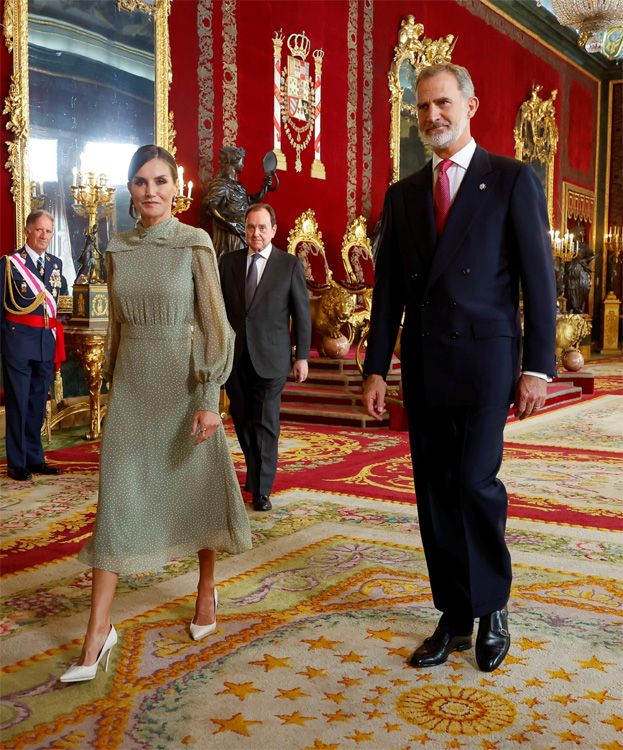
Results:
<point x="31" y="344"/>
<point x="461" y="237"/>
<point x="264" y="291"/>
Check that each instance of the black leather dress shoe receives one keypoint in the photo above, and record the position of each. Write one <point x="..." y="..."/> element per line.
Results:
<point x="493" y="640"/>
<point x="44" y="468"/>
<point x="19" y="474"/>
<point x="262" y="502"/>
<point x="436" y="649"/>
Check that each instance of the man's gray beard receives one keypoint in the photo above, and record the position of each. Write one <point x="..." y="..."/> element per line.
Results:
<point x="444" y="139"/>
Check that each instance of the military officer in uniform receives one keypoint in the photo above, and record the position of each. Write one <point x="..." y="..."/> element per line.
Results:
<point x="31" y="344"/>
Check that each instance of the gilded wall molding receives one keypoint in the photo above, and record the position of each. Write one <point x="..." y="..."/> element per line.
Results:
<point x="418" y="52"/>
<point x="536" y="137"/>
<point x="205" y="75"/>
<point x="366" y="107"/>
<point x="17" y="104"/>
<point x="230" y="73"/>
<point x="15" y="21"/>
<point x="351" y="110"/>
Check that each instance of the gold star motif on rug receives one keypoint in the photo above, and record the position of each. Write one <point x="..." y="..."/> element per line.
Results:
<point x="564" y="700"/>
<point x="373" y="701"/>
<point x="615" y="721"/>
<point x="273" y="662"/>
<point x="560" y="674"/>
<point x="398" y="682"/>
<point x="294" y="718"/>
<point x="510" y="659"/>
<point x="376" y="714"/>
<point x="360" y="736"/>
<point x="292" y="695"/>
<point x="570" y="737"/>
<point x="402" y="651"/>
<point x="392" y="727"/>
<point x="375" y="670"/>
<point x="335" y="697"/>
<point x="612" y="746"/>
<point x="320" y="745"/>
<point x="339" y="715"/>
<point x="236" y="723"/>
<point x="352" y="656"/>
<point x="384" y="635"/>
<point x="601" y="696"/>
<point x="576" y="718"/>
<point x="421" y="739"/>
<point x="527" y="643"/>
<point x="534" y="682"/>
<point x="350" y="681"/>
<point x="489" y="745"/>
<point x="310" y="672"/>
<point x="530" y="702"/>
<point x="379" y="690"/>
<point x="594" y="663"/>
<point x="454" y="745"/>
<point x="240" y="689"/>
<point x="322" y="642"/>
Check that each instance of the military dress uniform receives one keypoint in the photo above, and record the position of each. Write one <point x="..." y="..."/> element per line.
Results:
<point x="32" y="346"/>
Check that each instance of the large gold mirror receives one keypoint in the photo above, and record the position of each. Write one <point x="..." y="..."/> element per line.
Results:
<point x="408" y="153"/>
<point x="90" y="83"/>
<point x="536" y="140"/>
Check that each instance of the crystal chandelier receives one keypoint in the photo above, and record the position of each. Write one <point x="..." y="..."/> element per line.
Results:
<point x="592" y="18"/>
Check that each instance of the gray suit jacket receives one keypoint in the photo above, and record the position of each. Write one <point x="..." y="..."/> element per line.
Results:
<point x="264" y="329"/>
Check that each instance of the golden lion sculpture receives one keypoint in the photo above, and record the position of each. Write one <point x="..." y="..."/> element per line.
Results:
<point x="570" y="330"/>
<point x="332" y="310"/>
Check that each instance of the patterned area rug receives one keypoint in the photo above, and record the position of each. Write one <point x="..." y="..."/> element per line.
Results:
<point x="317" y="620"/>
<point x="315" y="624"/>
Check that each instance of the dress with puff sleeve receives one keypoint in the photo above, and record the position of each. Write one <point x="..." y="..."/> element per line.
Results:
<point x="169" y="350"/>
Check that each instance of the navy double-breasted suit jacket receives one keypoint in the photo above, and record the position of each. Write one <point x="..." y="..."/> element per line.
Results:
<point x="462" y="343"/>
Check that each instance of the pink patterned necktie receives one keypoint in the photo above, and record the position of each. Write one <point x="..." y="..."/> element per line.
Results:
<point x="442" y="195"/>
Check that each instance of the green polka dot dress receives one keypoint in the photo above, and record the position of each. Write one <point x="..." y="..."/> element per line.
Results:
<point x="169" y="349"/>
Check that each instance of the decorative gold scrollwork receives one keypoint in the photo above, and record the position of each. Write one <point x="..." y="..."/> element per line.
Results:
<point x="536" y="138"/>
<point x="418" y="53"/>
<point x="17" y="104"/>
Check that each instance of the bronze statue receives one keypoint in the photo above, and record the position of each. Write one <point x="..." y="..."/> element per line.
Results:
<point x="226" y="199"/>
<point x="90" y="271"/>
<point x="578" y="275"/>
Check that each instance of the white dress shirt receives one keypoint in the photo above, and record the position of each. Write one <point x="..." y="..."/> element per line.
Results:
<point x="260" y="263"/>
<point x="34" y="257"/>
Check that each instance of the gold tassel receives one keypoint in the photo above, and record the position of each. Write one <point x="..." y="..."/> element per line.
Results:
<point x="58" y="387"/>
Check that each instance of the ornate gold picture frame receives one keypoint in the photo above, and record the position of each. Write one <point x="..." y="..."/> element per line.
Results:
<point x="536" y="140"/>
<point x="17" y="105"/>
<point x="410" y="55"/>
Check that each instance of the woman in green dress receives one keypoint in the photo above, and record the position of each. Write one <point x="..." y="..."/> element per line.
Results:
<point x="167" y="482"/>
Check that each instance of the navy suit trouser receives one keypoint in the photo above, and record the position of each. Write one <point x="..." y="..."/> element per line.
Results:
<point x="26" y="386"/>
<point x="255" y="405"/>
<point x="462" y="508"/>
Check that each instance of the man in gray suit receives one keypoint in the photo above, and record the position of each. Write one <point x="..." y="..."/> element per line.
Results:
<point x="264" y="289"/>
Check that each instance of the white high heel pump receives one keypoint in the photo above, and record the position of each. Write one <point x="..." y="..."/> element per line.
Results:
<point x="82" y="673"/>
<point x="200" y="631"/>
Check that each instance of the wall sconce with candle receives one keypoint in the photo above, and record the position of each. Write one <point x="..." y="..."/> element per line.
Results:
<point x="183" y="199"/>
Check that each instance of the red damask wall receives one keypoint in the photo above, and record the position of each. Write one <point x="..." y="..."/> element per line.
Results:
<point x="231" y="41"/>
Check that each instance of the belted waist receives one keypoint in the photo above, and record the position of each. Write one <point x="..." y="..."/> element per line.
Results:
<point x="156" y="331"/>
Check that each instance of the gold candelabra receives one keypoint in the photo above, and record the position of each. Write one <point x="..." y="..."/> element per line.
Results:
<point x="37" y="195"/>
<point x="613" y="241"/>
<point x="90" y="193"/>
<point x="565" y="247"/>
<point x="183" y="198"/>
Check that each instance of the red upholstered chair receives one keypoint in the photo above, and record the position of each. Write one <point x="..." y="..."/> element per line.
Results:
<point x="305" y="241"/>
